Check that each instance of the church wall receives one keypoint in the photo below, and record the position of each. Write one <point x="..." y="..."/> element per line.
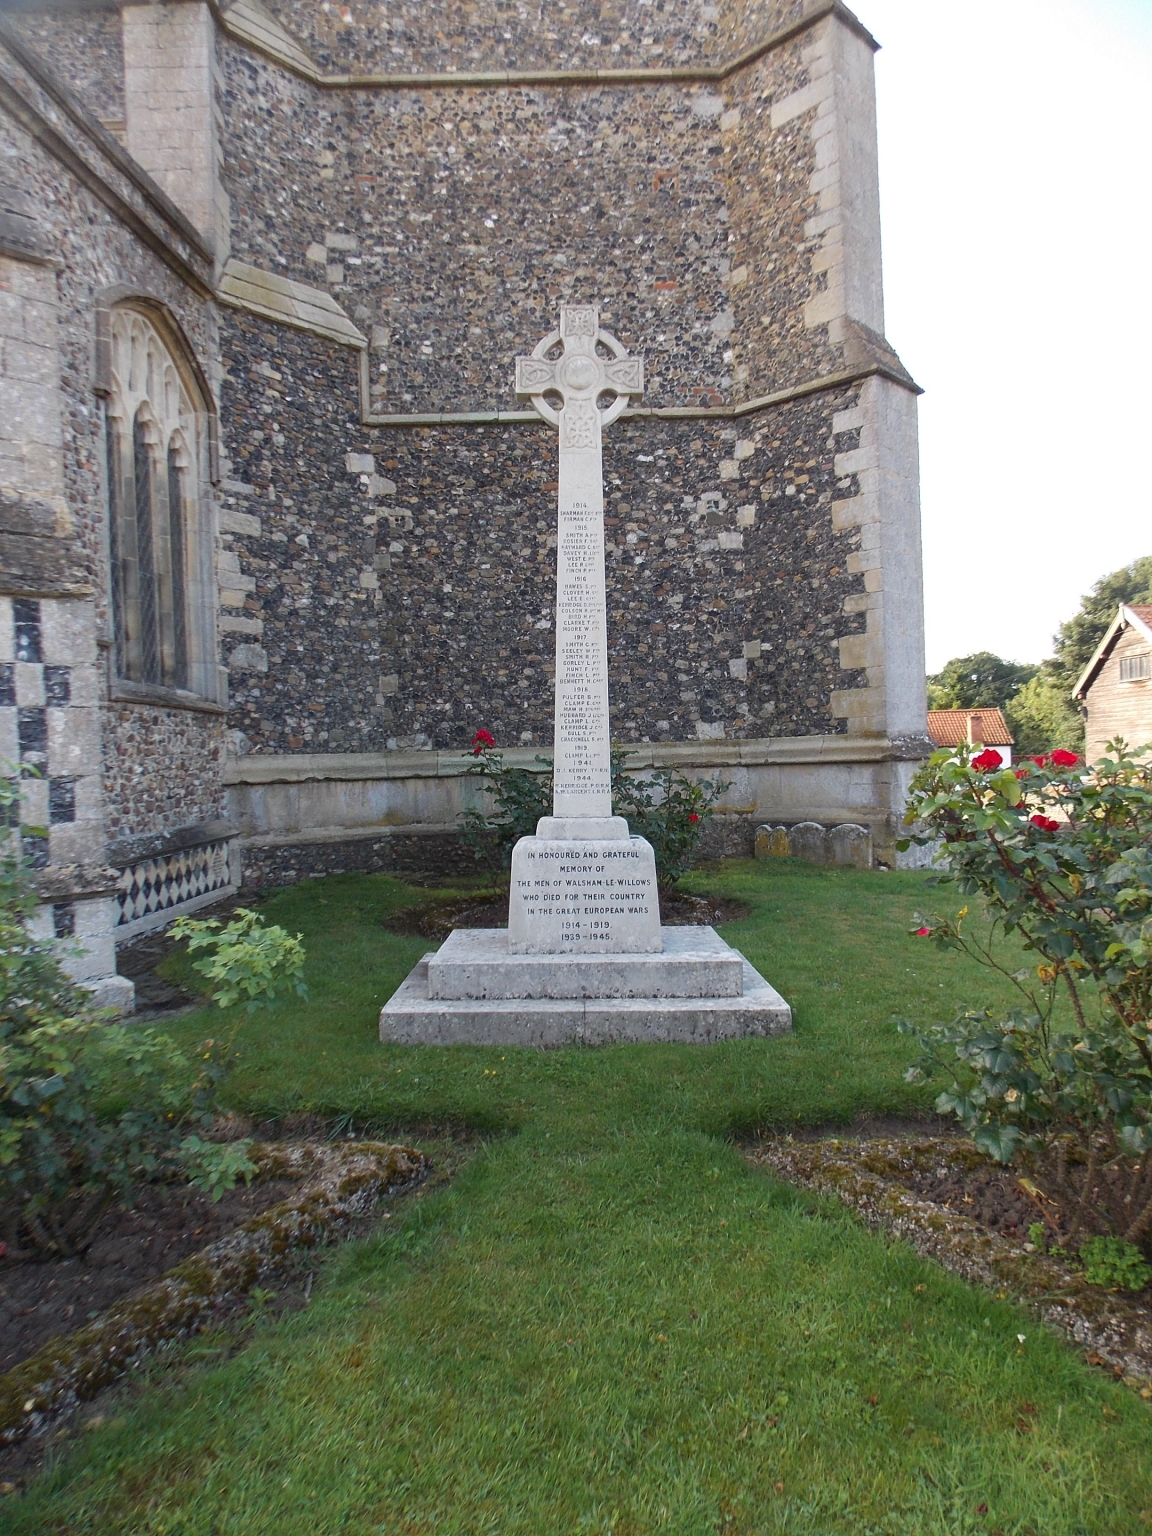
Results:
<point x="412" y="617"/>
<point x="763" y="578"/>
<point x="161" y="765"/>
<point x="162" y="769"/>
<point x="436" y="35"/>
<point x="85" y="49"/>
<point x="100" y="253"/>
<point x="449" y="224"/>
<point x="729" y="233"/>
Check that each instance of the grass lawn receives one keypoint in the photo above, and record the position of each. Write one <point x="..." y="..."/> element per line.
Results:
<point x="608" y="1322"/>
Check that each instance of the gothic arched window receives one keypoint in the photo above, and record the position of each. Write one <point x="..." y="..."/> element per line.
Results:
<point x="160" y="554"/>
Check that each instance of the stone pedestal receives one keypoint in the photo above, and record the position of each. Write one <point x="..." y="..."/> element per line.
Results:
<point x="583" y="897"/>
<point x="476" y="991"/>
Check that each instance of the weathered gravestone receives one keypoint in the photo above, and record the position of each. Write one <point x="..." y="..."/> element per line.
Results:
<point x="584" y="956"/>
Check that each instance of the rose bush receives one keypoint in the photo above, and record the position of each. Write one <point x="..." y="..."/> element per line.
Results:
<point x="1060" y="857"/>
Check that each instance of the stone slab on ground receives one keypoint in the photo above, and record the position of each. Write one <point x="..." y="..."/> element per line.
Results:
<point x="411" y="1017"/>
<point x="476" y="963"/>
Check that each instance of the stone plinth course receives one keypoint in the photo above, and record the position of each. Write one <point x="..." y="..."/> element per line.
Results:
<point x="584" y="957"/>
<point x="411" y="1017"/>
<point x="477" y="963"/>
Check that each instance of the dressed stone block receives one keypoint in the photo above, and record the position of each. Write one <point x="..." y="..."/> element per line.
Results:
<point x="477" y="963"/>
<point x="583" y="898"/>
<point x="411" y="1017"/>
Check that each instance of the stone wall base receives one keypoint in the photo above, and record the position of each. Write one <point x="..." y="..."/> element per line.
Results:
<point x="270" y="865"/>
<point x="304" y="814"/>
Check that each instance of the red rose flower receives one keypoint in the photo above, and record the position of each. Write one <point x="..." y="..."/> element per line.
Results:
<point x="1064" y="759"/>
<point x="1045" y="823"/>
<point x="922" y="933"/>
<point x="1021" y="773"/>
<point x="693" y="816"/>
<point x="1039" y="761"/>
<point x="987" y="760"/>
<point x="481" y="740"/>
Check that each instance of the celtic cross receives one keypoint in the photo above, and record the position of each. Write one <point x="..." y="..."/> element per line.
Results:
<point x="581" y="375"/>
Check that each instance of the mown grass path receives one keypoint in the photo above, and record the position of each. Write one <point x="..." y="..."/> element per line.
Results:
<point x="608" y="1322"/>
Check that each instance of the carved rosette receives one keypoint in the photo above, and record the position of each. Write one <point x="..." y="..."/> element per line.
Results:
<point x="580" y="376"/>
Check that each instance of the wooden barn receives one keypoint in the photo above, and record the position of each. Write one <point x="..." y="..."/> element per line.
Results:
<point x="1116" y="685"/>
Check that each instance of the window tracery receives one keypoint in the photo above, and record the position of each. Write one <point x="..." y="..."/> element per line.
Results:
<point x="157" y="534"/>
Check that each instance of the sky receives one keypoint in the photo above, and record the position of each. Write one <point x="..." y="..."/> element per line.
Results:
<point x="1016" y="200"/>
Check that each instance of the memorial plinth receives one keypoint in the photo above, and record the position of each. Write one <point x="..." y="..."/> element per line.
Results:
<point x="584" y="956"/>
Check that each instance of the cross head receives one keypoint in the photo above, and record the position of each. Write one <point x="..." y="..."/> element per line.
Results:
<point x="580" y="375"/>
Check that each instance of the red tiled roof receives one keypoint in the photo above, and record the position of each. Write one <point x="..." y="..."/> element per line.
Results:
<point x="953" y="727"/>
<point x="1141" y="610"/>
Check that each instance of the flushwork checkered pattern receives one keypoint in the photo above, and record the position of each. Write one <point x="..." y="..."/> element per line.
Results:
<point x="156" y="885"/>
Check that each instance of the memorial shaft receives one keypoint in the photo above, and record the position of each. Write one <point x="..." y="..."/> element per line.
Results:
<point x="590" y="365"/>
<point x="582" y="776"/>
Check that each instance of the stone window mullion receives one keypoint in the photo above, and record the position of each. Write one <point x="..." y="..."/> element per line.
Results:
<point x="177" y="566"/>
<point x="122" y="490"/>
<point x="144" y="482"/>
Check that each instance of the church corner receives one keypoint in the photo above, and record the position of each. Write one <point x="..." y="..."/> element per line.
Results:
<point x="278" y="536"/>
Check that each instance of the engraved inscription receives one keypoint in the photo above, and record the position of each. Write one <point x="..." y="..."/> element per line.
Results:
<point x="583" y="897"/>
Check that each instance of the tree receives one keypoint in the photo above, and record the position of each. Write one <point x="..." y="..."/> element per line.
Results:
<point x="1044" y="716"/>
<point x="1076" y="639"/>
<point x="981" y="681"/>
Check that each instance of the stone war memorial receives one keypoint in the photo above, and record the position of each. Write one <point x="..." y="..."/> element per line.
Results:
<point x="584" y="957"/>
<point x="278" y="529"/>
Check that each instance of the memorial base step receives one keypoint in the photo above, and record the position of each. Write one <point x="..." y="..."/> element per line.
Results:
<point x="412" y="1017"/>
<point x="476" y="963"/>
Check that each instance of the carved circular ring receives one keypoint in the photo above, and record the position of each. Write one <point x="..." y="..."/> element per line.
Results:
<point x="549" y="413"/>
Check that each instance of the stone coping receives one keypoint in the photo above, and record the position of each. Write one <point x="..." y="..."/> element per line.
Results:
<point x="300" y="768"/>
<point x="75" y="882"/>
<point x="895" y="372"/>
<point x="288" y="302"/>
<point x="153" y="845"/>
<point x="248" y="23"/>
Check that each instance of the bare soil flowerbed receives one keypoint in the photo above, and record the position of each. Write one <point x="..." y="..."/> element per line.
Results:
<point x="160" y="1226"/>
<point x="953" y="1204"/>
<point x="309" y="1193"/>
<point x="436" y="918"/>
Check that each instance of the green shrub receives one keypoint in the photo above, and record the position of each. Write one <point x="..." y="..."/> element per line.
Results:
<point x="519" y="797"/>
<point x="90" y="1107"/>
<point x="248" y="963"/>
<point x="668" y="809"/>
<point x="664" y="806"/>
<point x="1113" y="1263"/>
<point x="1061" y="858"/>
